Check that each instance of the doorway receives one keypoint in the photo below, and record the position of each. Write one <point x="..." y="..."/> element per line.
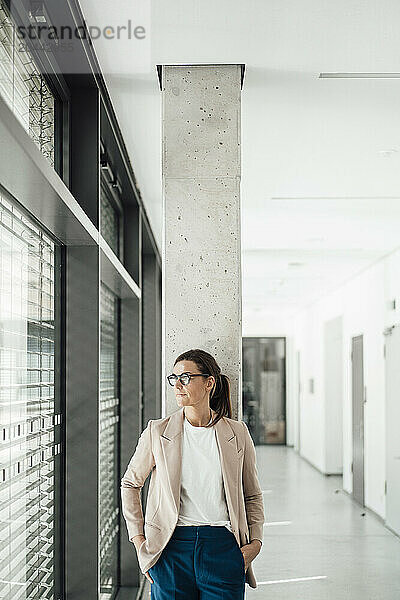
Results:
<point x="264" y="389"/>
<point x="298" y="401"/>
<point x="357" y="370"/>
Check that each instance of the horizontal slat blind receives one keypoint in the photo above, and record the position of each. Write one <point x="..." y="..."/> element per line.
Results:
<point x="109" y="221"/>
<point x="109" y="443"/>
<point x="29" y="423"/>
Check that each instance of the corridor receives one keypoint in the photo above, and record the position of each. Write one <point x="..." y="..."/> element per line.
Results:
<point x="318" y="543"/>
<point x="218" y="181"/>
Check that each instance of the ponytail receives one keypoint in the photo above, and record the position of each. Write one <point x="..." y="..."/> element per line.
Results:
<point x="220" y="399"/>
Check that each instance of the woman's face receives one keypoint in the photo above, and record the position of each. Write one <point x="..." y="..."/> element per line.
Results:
<point x="197" y="391"/>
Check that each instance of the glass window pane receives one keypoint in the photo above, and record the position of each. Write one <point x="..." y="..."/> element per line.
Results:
<point x="29" y="410"/>
<point x="23" y="87"/>
<point x="272" y="389"/>
<point x="109" y="442"/>
<point x="264" y="389"/>
<point x="109" y="221"/>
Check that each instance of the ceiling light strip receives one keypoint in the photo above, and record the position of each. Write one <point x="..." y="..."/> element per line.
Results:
<point x="334" y="198"/>
<point x="359" y="76"/>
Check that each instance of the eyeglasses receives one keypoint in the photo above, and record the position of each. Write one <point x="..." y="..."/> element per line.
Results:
<point x="184" y="378"/>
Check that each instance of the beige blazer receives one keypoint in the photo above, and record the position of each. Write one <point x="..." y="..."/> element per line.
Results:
<point x="159" y="450"/>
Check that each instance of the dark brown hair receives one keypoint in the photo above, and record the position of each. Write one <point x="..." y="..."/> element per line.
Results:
<point x="220" y="397"/>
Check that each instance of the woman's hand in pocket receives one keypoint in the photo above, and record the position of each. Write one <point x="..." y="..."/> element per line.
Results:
<point x="148" y="577"/>
<point x="138" y="540"/>
<point x="249" y="552"/>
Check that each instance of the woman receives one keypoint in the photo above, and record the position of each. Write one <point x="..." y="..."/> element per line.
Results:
<point x="204" y="515"/>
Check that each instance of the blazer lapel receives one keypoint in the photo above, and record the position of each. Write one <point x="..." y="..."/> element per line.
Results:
<point x="171" y="442"/>
<point x="230" y="462"/>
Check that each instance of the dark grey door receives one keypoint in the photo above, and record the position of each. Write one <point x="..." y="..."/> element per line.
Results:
<point x="298" y="400"/>
<point x="358" y="418"/>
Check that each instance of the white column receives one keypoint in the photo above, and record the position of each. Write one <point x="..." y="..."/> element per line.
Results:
<point x="201" y="211"/>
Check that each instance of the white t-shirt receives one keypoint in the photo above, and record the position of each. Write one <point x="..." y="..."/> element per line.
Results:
<point x="203" y="499"/>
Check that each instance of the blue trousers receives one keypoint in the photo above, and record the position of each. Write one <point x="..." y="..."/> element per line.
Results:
<point x="199" y="563"/>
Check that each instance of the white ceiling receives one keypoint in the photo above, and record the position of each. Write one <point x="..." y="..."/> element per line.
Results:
<point x="316" y="187"/>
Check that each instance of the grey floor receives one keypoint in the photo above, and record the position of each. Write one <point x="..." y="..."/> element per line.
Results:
<point x="318" y="543"/>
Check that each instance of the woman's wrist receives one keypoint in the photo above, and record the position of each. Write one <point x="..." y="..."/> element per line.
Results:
<point x="256" y="544"/>
<point x="138" y="540"/>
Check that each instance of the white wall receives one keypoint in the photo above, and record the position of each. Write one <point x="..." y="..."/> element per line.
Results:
<point x="365" y="303"/>
<point x="361" y="302"/>
<point x="265" y="323"/>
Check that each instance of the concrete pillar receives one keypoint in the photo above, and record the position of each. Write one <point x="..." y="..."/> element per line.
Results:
<point x="201" y="234"/>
